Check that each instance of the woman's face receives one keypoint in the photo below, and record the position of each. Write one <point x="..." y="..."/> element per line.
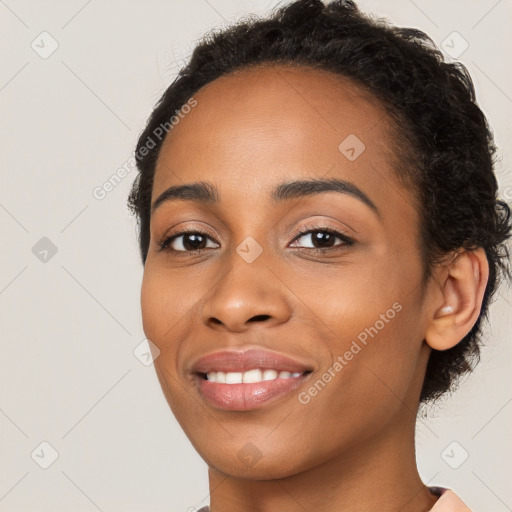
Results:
<point x="349" y="307"/>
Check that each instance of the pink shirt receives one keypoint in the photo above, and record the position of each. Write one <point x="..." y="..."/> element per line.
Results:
<point x="448" y="501"/>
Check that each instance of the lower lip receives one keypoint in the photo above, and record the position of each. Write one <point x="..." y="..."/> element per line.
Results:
<point x="247" y="397"/>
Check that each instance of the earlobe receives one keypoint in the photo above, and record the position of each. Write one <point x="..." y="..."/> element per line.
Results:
<point x="462" y="291"/>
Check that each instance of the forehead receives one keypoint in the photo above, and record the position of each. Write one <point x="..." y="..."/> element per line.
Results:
<point x="273" y="123"/>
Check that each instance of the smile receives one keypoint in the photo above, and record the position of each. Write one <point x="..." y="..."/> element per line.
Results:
<point x="233" y="391"/>
<point x="250" y="376"/>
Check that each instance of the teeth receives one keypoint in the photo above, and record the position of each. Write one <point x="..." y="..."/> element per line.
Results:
<point x="269" y="375"/>
<point x="234" y="378"/>
<point x="250" y="376"/>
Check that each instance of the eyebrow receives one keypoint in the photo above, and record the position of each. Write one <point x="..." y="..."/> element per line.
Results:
<point x="206" y="193"/>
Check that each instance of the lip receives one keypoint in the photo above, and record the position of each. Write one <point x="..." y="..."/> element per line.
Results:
<point x="243" y="360"/>
<point x="245" y="397"/>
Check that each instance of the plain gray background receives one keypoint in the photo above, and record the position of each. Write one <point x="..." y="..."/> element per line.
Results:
<point x="70" y="271"/>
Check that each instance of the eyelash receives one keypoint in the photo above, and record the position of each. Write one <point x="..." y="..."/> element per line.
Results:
<point x="347" y="241"/>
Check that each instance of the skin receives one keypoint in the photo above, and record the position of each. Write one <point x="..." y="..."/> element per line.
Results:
<point x="351" y="448"/>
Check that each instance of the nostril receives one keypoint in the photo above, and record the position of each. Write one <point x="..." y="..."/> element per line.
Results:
<point x="259" y="317"/>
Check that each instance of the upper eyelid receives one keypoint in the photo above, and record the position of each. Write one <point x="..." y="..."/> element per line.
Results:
<point x="338" y="233"/>
<point x="314" y="217"/>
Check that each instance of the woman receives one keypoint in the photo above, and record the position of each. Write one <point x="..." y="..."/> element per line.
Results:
<point x="321" y="238"/>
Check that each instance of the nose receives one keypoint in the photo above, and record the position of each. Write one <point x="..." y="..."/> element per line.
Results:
<point x="246" y="294"/>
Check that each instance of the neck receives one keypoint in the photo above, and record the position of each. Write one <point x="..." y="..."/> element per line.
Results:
<point x="379" y="474"/>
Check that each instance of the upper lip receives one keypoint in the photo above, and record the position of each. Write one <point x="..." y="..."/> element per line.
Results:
<point x="243" y="360"/>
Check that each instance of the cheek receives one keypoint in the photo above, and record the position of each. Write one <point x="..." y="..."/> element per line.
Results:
<point x="165" y="303"/>
<point x="169" y="306"/>
<point x="374" y="337"/>
<point x="163" y="318"/>
<point x="370" y="376"/>
<point x="153" y="301"/>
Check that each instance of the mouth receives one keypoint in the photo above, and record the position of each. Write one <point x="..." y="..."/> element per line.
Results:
<point x="249" y="378"/>
<point x="249" y="390"/>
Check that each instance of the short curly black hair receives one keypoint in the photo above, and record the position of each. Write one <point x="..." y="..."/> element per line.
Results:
<point x="449" y="154"/>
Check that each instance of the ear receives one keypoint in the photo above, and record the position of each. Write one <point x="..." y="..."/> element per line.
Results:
<point x="462" y="290"/>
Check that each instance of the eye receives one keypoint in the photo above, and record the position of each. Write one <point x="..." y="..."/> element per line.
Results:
<point x="322" y="239"/>
<point x="186" y="241"/>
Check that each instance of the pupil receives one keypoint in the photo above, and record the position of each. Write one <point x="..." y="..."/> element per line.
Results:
<point x="193" y="241"/>
<point x="321" y="238"/>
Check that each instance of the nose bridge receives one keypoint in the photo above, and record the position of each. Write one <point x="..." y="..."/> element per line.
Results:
<point x="246" y="290"/>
